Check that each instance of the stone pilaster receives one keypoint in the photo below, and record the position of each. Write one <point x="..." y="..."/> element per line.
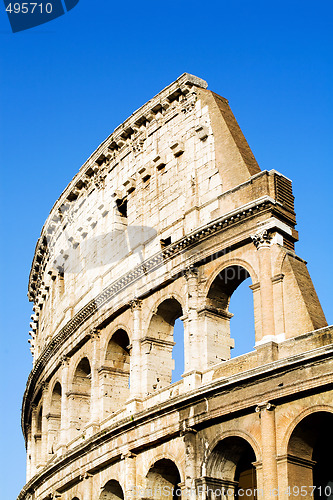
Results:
<point x="266" y="413"/>
<point x="262" y="241"/>
<point x="34" y="444"/>
<point x="64" y="428"/>
<point x="190" y="445"/>
<point x="87" y="486"/>
<point x="192" y="346"/>
<point x="130" y="468"/>
<point x="29" y="453"/>
<point x="95" y="400"/>
<point x="135" y="360"/>
<point x="46" y="411"/>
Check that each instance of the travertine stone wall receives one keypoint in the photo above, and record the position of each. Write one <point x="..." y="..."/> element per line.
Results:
<point x="164" y="221"/>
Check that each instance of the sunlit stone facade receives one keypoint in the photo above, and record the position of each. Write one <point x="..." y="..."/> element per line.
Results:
<point x="164" y="221"/>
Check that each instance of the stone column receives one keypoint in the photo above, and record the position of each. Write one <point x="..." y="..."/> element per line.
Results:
<point x="189" y="435"/>
<point x="34" y="446"/>
<point x="87" y="486"/>
<point x="95" y="412"/>
<point x="130" y="468"/>
<point x="45" y="412"/>
<point x="262" y="241"/>
<point x="192" y="346"/>
<point x="64" y="428"/>
<point x="278" y="304"/>
<point x="135" y="358"/>
<point x="29" y="452"/>
<point x="266" y="413"/>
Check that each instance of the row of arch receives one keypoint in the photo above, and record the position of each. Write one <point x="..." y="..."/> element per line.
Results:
<point x="114" y="370"/>
<point x="231" y="468"/>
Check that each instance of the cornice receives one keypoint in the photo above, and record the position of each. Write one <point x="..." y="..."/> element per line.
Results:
<point x="120" y="284"/>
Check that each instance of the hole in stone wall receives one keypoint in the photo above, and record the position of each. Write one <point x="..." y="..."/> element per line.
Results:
<point x="122" y="207"/>
<point x="165" y="242"/>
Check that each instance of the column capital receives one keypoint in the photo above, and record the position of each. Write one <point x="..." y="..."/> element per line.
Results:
<point x="33" y="407"/>
<point x="64" y="360"/>
<point x="262" y="239"/>
<point x="94" y="334"/>
<point x="265" y="406"/>
<point x="56" y="494"/>
<point x="45" y="386"/>
<point x="135" y="304"/>
<point x="128" y="454"/>
<point x="191" y="272"/>
<point x="84" y="476"/>
<point x="188" y="431"/>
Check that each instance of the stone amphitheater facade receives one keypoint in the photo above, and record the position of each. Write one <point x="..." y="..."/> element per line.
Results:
<point x="165" y="220"/>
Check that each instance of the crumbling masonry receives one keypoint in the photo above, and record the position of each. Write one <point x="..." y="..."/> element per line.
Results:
<point x="164" y="221"/>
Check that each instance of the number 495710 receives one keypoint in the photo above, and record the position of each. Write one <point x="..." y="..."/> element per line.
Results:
<point x="29" y="8"/>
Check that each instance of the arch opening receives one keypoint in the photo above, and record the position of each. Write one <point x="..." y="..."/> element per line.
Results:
<point x="158" y="347"/>
<point x="115" y="373"/>
<point x="178" y="351"/>
<point x="216" y="316"/>
<point x="112" y="491"/>
<point x="54" y="419"/>
<point x="230" y="467"/>
<point x="163" y="481"/>
<point x="309" y="456"/>
<point x="242" y="322"/>
<point x="80" y="395"/>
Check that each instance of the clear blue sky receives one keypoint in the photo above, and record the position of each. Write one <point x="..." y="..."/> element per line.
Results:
<point x="67" y="84"/>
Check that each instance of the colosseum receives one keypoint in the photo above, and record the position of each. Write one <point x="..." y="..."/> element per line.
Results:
<point x="163" y="222"/>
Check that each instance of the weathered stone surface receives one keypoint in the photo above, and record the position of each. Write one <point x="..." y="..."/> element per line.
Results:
<point x="164" y="221"/>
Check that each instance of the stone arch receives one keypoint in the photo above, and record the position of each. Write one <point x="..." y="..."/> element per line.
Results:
<point x="54" y="417"/>
<point x="163" y="456"/>
<point x="79" y="396"/>
<point x="162" y="480"/>
<point x="157" y="345"/>
<point x="231" y="262"/>
<point x="308" y="460"/>
<point x="230" y="466"/>
<point x="246" y="436"/>
<point x="112" y="490"/>
<point x="115" y="372"/>
<point x="215" y="316"/>
<point x="297" y="420"/>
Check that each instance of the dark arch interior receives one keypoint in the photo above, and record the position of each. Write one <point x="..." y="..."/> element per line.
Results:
<point x="83" y="369"/>
<point x="112" y="491"/>
<point x="232" y="460"/>
<point x="118" y="347"/>
<point x="312" y="439"/>
<point x="56" y="399"/>
<point x="163" y="351"/>
<point x="163" y="479"/>
<point x="40" y="420"/>
<point x="225" y="284"/>
<point x="169" y="310"/>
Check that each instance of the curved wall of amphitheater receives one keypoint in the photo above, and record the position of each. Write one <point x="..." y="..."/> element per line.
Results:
<point x="164" y="221"/>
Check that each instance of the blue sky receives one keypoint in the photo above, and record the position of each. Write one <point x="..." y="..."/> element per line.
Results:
<point x="67" y="84"/>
